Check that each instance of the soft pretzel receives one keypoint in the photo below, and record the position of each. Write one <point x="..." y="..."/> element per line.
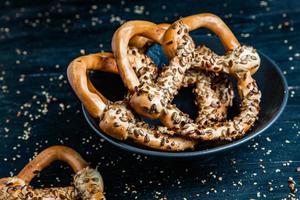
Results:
<point x="162" y="91"/>
<point x="214" y="93"/>
<point x="239" y="61"/>
<point x="116" y="119"/>
<point x="146" y="106"/>
<point x="152" y="98"/>
<point x="88" y="183"/>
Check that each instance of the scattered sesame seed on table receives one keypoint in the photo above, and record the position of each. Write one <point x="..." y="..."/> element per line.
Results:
<point x="38" y="108"/>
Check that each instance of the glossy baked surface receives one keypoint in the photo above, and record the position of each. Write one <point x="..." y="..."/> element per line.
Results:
<point x="270" y="81"/>
<point x="38" y="40"/>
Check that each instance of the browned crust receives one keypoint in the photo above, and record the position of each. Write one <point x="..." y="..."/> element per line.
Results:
<point x="116" y="119"/>
<point x="236" y="128"/>
<point x="203" y="20"/>
<point x="125" y="33"/>
<point x="239" y="60"/>
<point x="89" y="96"/>
<point x="46" y="157"/>
<point x="167" y="82"/>
<point x="88" y="182"/>
<point x="88" y="185"/>
<point x="152" y="93"/>
<point x="152" y="99"/>
<point x="142" y="43"/>
<point x="213" y="92"/>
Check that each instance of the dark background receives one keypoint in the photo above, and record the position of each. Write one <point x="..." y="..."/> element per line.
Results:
<point x="38" y="108"/>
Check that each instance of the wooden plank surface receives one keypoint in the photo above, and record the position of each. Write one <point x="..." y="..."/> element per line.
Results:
<point x="38" y="108"/>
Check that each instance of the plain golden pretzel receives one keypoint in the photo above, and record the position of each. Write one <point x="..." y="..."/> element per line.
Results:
<point x="88" y="183"/>
<point x="116" y="119"/>
<point x="86" y="92"/>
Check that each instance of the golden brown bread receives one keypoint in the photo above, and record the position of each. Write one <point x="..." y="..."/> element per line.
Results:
<point x="116" y="119"/>
<point x="152" y="99"/>
<point x="214" y="93"/>
<point x="169" y="80"/>
<point x="151" y="91"/>
<point x="88" y="182"/>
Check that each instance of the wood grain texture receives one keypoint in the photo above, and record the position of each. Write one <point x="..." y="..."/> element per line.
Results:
<point x="39" y="109"/>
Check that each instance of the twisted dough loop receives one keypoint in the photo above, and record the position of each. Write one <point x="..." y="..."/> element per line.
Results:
<point x="116" y="119"/>
<point x="88" y="182"/>
<point x="213" y="92"/>
<point x="193" y="22"/>
<point x="142" y="43"/>
<point x="239" y="61"/>
<point x="124" y="34"/>
<point x="238" y="58"/>
<point x="94" y="101"/>
<point x="152" y="93"/>
<point x="169" y="80"/>
<point x="46" y="157"/>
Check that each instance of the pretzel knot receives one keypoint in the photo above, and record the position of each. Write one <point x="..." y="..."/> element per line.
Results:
<point x="88" y="183"/>
<point x="153" y="99"/>
<point x="151" y="91"/>
<point x="116" y="118"/>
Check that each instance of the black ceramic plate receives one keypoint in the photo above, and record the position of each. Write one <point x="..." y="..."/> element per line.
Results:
<point x="270" y="81"/>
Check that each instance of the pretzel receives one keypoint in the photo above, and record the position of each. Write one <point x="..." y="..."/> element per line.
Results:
<point x="88" y="183"/>
<point x="147" y="95"/>
<point x="237" y="65"/>
<point x="239" y="61"/>
<point x="147" y="72"/>
<point x="149" y="100"/>
<point x="116" y="119"/>
<point x="214" y="93"/>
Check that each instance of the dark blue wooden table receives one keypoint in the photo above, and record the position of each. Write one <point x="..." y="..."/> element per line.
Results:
<point x="39" y="109"/>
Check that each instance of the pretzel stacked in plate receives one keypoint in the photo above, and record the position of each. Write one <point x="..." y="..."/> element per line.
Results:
<point x="151" y="90"/>
<point x="88" y="183"/>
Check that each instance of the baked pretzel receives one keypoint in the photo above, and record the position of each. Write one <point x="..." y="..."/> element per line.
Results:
<point x="116" y="119"/>
<point x="237" y="58"/>
<point x="149" y="94"/>
<point x="213" y="97"/>
<point x="239" y="61"/>
<point x="214" y="93"/>
<point x="146" y="106"/>
<point x="88" y="183"/>
<point x="150" y="99"/>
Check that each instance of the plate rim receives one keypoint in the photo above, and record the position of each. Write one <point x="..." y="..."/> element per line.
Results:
<point x="190" y="154"/>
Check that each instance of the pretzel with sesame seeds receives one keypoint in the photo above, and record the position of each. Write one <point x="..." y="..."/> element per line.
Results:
<point x="214" y="93"/>
<point x="95" y="106"/>
<point x="115" y="118"/>
<point x="239" y="62"/>
<point x="150" y="99"/>
<point x="238" y="58"/>
<point x="88" y="183"/>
